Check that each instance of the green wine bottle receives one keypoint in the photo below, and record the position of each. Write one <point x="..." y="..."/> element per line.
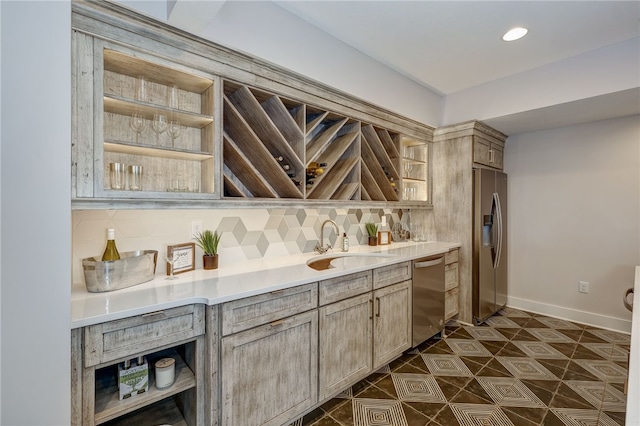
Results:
<point x="111" y="252"/>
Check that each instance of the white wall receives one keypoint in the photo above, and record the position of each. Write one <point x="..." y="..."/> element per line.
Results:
<point x="574" y="210"/>
<point x="35" y="248"/>
<point x="584" y="76"/>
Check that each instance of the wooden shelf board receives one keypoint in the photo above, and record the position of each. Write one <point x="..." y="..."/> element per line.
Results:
<point x="231" y="186"/>
<point x="108" y="405"/>
<point x="124" y="147"/>
<point x="124" y="106"/>
<point x="164" y="412"/>
<point x="370" y="185"/>
<point x="132" y="66"/>
<point x="284" y="121"/>
<point x="346" y="191"/>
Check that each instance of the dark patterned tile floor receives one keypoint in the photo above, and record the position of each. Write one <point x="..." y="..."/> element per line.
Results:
<point x="517" y="368"/>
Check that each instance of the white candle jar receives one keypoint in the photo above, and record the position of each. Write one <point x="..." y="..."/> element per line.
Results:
<point x="165" y="372"/>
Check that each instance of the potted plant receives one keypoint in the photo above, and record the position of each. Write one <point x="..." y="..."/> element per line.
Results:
<point x="372" y="230"/>
<point x="208" y="242"/>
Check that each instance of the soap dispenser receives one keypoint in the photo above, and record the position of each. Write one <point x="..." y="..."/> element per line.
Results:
<point x="345" y="242"/>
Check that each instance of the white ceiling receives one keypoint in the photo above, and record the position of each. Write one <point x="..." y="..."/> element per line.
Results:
<point x="453" y="46"/>
<point x="449" y="46"/>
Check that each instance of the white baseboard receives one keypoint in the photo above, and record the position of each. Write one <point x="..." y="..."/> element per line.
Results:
<point x="582" y="317"/>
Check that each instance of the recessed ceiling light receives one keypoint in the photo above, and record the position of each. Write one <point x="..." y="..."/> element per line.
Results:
<point x="515" y="34"/>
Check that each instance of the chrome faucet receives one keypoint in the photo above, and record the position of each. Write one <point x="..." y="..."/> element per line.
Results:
<point x="320" y="247"/>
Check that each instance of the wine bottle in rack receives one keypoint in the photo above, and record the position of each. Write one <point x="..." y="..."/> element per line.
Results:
<point x="296" y="182"/>
<point x="280" y="159"/>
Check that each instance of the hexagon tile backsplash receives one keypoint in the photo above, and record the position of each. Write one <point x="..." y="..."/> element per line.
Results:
<point x="246" y="233"/>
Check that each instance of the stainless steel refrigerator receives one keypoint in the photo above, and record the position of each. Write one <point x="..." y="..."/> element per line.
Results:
<point x="489" y="243"/>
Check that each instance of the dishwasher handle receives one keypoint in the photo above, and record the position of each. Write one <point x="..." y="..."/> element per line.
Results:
<point x="428" y="263"/>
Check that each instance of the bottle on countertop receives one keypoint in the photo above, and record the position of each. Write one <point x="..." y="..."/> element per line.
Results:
<point x="345" y="242"/>
<point x="111" y="252"/>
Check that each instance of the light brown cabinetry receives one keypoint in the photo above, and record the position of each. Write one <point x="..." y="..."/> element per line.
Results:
<point x="269" y="364"/>
<point x="454" y="155"/>
<point x="451" y="282"/>
<point x="391" y="322"/>
<point x="97" y="350"/>
<point x="360" y="329"/>
<point x="249" y="130"/>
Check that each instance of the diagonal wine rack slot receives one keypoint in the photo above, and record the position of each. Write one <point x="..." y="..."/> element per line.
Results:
<point x="323" y="138"/>
<point x="313" y="119"/>
<point x="370" y="185"/>
<point x="386" y="159"/>
<point x="243" y="170"/>
<point x="378" y="174"/>
<point x="333" y="179"/>
<point x="233" y="187"/>
<point x="257" y="153"/>
<point x="347" y="191"/>
<point x="285" y="120"/>
<point x="389" y="144"/>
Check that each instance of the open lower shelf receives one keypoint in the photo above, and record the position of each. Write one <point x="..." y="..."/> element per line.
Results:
<point x="108" y="406"/>
<point x="164" y="412"/>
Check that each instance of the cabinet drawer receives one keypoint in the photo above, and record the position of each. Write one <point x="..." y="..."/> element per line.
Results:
<point x="450" y="276"/>
<point x="265" y="308"/>
<point x="391" y="274"/>
<point x="126" y="337"/>
<point x="451" y="257"/>
<point x="341" y="288"/>
<point x="451" y="303"/>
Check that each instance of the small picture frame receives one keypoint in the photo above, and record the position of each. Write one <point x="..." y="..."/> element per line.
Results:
<point x="384" y="238"/>
<point x="184" y="256"/>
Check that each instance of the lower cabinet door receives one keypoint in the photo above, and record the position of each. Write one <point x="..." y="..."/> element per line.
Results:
<point x="269" y="373"/>
<point x="391" y="322"/>
<point x="345" y="344"/>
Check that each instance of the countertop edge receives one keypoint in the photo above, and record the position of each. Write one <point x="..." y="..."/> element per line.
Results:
<point x="215" y="287"/>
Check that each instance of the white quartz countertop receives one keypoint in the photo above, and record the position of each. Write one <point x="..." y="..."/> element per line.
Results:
<point x="235" y="281"/>
<point x="633" y="394"/>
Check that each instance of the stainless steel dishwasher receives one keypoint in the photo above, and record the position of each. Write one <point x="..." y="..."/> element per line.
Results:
<point x="428" y="298"/>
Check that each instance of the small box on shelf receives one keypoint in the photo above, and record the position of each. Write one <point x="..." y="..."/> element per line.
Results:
<point x="133" y="378"/>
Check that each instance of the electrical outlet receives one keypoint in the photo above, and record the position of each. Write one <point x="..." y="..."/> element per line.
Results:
<point x="196" y="228"/>
<point x="583" y="287"/>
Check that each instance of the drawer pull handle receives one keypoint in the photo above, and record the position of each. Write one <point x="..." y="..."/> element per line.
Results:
<point x="371" y="303"/>
<point x="277" y="291"/>
<point x="276" y="323"/>
<point x="152" y="314"/>
<point x="378" y="310"/>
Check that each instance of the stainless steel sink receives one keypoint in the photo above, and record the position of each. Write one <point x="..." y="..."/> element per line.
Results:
<point x="323" y="262"/>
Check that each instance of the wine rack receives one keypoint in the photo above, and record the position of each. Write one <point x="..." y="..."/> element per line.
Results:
<point x="264" y="132"/>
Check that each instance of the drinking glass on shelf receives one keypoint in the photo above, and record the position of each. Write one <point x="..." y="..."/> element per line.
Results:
<point x="137" y="123"/>
<point x="170" y="258"/>
<point x="174" y="130"/>
<point x="407" y="169"/>
<point x="173" y="97"/>
<point x="159" y="124"/>
<point x="141" y="88"/>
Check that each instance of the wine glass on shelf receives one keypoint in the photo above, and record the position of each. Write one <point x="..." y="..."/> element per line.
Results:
<point x="159" y="124"/>
<point x="138" y="124"/>
<point x="407" y="168"/>
<point x="169" y="256"/>
<point x="174" y="129"/>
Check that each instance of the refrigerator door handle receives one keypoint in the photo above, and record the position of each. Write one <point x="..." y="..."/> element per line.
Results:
<point x="496" y="201"/>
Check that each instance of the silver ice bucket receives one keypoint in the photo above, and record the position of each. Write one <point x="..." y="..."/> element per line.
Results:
<point x="134" y="267"/>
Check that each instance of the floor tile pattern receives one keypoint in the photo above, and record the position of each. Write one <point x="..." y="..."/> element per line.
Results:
<point x="516" y="369"/>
